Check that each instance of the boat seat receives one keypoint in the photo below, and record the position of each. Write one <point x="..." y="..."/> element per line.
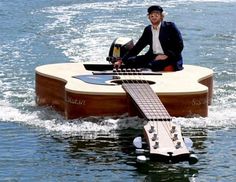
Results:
<point x="169" y="68"/>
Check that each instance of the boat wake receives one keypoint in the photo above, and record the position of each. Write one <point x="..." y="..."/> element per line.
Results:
<point x="93" y="127"/>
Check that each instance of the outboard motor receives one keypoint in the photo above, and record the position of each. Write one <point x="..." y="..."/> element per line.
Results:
<point x="119" y="47"/>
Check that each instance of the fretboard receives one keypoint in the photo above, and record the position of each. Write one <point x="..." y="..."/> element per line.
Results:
<point x="147" y="101"/>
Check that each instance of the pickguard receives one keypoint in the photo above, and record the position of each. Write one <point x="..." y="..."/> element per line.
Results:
<point x="96" y="79"/>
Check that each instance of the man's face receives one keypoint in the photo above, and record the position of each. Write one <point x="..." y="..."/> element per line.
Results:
<point x="155" y="17"/>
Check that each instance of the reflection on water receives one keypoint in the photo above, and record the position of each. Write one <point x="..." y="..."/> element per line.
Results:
<point x="116" y="148"/>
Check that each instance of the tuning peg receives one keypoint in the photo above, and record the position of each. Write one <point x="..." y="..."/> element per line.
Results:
<point x="188" y="142"/>
<point x="178" y="145"/>
<point x="156" y="145"/>
<point x="137" y="142"/>
<point x="173" y="129"/>
<point x="175" y="137"/>
<point x="151" y="129"/>
<point x="193" y="159"/>
<point x="142" y="158"/>
<point x="154" y="137"/>
<point x="128" y="69"/>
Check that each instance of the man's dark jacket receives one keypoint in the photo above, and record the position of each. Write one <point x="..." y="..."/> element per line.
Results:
<point x="171" y="43"/>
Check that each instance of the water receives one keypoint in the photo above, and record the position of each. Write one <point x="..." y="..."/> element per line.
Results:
<point x="37" y="144"/>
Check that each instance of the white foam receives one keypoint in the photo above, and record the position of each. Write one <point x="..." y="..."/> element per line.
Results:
<point x="51" y="121"/>
<point x="217" y="118"/>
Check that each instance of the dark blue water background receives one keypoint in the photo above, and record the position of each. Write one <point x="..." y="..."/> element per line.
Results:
<point x="37" y="144"/>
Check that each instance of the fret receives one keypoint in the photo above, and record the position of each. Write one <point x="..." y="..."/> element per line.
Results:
<point x="147" y="101"/>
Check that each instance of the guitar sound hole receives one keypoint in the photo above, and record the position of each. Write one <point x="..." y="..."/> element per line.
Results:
<point x="119" y="82"/>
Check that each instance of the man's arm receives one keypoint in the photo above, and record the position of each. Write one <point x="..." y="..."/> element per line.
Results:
<point x="177" y="45"/>
<point x="139" y="46"/>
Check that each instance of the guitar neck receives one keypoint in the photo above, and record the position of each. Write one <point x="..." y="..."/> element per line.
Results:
<point x="163" y="137"/>
<point x="147" y="101"/>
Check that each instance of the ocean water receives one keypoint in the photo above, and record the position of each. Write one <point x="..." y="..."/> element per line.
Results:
<point x="37" y="144"/>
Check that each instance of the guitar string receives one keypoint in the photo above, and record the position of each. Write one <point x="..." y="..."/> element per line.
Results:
<point x="131" y="80"/>
<point x="147" y="92"/>
<point x="166" y="122"/>
<point x="140" y="84"/>
<point x="144" y="93"/>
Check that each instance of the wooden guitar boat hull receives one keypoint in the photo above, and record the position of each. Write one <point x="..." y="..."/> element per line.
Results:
<point x="185" y="93"/>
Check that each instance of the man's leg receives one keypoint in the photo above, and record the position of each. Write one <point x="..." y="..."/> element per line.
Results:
<point x="159" y="65"/>
<point x="137" y="62"/>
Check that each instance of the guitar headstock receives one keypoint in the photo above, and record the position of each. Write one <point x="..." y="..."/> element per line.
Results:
<point x="165" y="141"/>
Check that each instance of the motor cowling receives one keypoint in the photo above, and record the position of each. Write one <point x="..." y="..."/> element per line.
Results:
<point x="119" y="47"/>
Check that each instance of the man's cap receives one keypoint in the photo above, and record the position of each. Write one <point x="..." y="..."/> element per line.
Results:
<point x="154" y="8"/>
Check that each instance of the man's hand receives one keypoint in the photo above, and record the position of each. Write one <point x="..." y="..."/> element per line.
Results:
<point x="161" y="57"/>
<point x="117" y="64"/>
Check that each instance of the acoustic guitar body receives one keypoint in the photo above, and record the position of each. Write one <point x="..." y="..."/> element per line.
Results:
<point x="81" y="90"/>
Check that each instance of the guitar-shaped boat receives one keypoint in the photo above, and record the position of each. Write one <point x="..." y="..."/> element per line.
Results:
<point x="81" y="90"/>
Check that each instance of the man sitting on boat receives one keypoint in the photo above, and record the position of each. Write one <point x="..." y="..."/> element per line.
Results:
<point x="165" y="45"/>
